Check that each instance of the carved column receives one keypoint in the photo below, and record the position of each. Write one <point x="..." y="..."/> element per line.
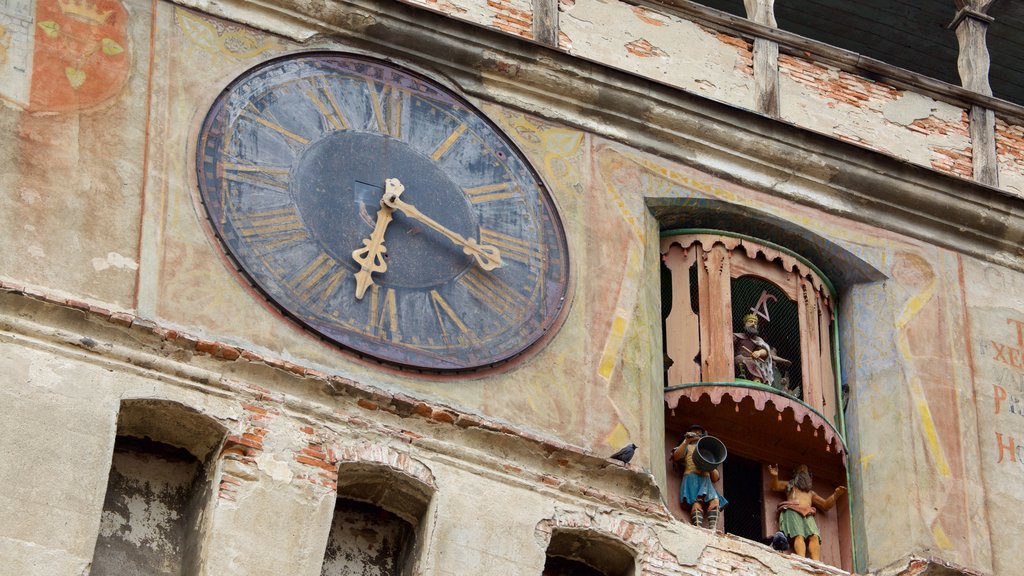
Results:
<point x="971" y="26"/>
<point x="715" y="314"/>
<point x="766" y="59"/>
<point x="682" y="337"/>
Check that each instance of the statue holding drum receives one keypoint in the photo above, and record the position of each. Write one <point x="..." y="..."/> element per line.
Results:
<point x="700" y="456"/>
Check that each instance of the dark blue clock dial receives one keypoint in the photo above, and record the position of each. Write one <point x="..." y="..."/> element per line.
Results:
<point x="292" y="163"/>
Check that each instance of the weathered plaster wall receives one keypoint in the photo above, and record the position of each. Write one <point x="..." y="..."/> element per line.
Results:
<point x="897" y="122"/>
<point x="661" y="47"/>
<point x="511" y="16"/>
<point x="1010" y="150"/>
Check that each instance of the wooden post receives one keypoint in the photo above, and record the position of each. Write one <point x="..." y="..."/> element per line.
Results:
<point x="545" y="22"/>
<point x="971" y="25"/>
<point x="766" y="59"/>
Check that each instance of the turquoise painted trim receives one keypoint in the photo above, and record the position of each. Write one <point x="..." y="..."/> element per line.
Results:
<point x="766" y="243"/>
<point x="855" y="560"/>
<point x="740" y="383"/>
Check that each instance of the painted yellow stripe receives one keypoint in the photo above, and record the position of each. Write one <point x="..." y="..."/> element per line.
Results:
<point x="613" y="346"/>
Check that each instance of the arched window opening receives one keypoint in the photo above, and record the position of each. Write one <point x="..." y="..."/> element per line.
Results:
<point x="377" y="525"/>
<point x="586" y="553"/>
<point x="367" y="540"/>
<point x="160" y="483"/>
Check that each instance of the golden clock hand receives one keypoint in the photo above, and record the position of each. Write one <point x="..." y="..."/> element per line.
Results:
<point x="370" y="257"/>
<point x="487" y="256"/>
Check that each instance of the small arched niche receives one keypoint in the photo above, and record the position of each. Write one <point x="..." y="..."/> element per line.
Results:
<point x="573" y="552"/>
<point x="377" y="527"/>
<point x="160" y="485"/>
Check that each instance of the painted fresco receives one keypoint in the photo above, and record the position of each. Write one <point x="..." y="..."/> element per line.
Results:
<point x="81" y="53"/>
<point x="73" y="172"/>
<point x="995" y="309"/>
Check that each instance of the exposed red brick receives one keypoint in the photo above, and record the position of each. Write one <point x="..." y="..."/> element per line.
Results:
<point x="122" y="319"/>
<point x="443" y="416"/>
<point x="313" y="462"/>
<point x="252" y="443"/>
<point x="253" y="408"/>
<point x="314" y="452"/>
<point x="307" y="429"/>
<point x="468" y="421"/>
<point x="80" y="305"/>
<point x="647" y="16"/>
<point x="643" y="49"/>
<point x="837" y="85"/>
<point x="364" y="403"/>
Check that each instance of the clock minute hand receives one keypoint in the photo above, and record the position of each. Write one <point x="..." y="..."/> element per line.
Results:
<point x="487" y="256"/>
<point x="370" y="257"/>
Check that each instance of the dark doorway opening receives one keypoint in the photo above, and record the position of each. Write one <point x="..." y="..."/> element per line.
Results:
<point x="742" y="486"/>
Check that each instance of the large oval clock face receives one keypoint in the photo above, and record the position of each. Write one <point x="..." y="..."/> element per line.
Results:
<point x="380" y="210"/>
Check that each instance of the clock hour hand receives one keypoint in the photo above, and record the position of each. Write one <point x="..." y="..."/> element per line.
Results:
<point x="487" y="256"/>
<point x="370" y="257"/>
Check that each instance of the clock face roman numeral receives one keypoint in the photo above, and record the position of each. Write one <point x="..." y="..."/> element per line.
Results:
<point x="318" y="281"/>
<point x="511" y="247"/>
<point x="271" y="178"/>
<point x="446" y="317"/>
<point x="327" y="105"/>
<point x="271" y="229"/>
<point x="490" y="192"/>
<point x="383" y="320"/>
<point x="386" y="102"/>
<point x="448" y="142"/>
<point x="256" y="116"/>
<point x="492" y="292"/>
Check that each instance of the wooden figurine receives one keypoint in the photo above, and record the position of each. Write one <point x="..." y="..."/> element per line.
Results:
<point x="697" y="488"/>
<point x="755" y="359"/>
<point x="796" y="513"/>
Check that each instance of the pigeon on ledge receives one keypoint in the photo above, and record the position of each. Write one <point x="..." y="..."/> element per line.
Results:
<point x="626" y="454"/>
<point x="780" y="542"/>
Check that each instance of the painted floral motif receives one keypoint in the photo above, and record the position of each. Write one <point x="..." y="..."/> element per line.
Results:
<point x="80" y="53"/>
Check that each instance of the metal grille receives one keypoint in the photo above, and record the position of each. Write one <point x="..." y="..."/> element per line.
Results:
<point x="781" y="331"/>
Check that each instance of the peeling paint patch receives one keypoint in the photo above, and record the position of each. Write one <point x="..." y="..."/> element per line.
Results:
<point x="643" y="49"/>
<point x="114" y="260"/>
<point x="1010" y="151"/>
<point x="646" y="16"/>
